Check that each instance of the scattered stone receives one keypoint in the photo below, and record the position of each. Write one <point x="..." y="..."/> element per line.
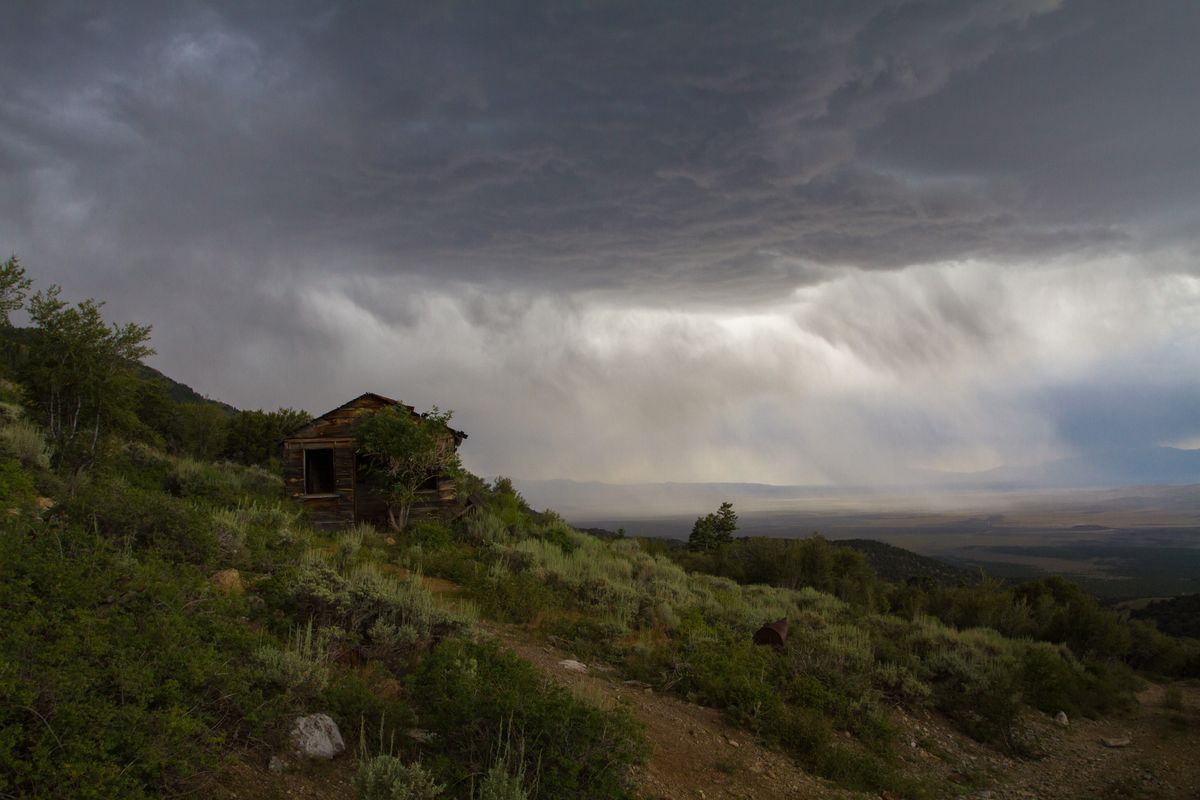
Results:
<point x="44" y="503"/>
<point x="420" y="735"/>
<point x="317" y="736"/>
<point x="391" y="540"/>
<point x="277" y="765"/>
<point x="1060" y="719"/>
<point x="228" y="581"/>
<point x="1123" y="741"/>
<point x="573" y="665"/>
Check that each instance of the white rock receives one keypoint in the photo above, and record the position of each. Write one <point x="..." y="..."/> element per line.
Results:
<point x="317" y="736"/>
<point x="1061" y="720"/>
<point x="572" y="665"/>
<point x="277" y="765"/>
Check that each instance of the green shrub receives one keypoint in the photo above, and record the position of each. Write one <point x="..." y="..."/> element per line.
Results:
<point x="24" y="441"/>
<point x="119" y="678"/>
<point x="386" y="777"/>
<point x="222" y="484"/>
<point x="458" y="563"/>
<point x="514" y="598"/>
<point x="390" y="618"/>
<point x="16" y="486"/>
<point x="472" y="693"/>
<point x="428" y="534"/>
<point x="499" y="784"/>
<point x="259" y="535"/>
<point x="367" y="699"/>
<point x="482" y="527"/>
<point x="557" y="532"/>
<point x="347" y="545"/>
<point x="144" y="520"/>
<point x="301" y="669"/>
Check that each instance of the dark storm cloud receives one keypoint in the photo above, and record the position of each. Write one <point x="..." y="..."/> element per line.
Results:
<point x="784" y="239"/>
<point x="602" y="146"/>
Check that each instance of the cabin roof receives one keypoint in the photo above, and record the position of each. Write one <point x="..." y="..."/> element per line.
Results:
<point x="387" y="401"/>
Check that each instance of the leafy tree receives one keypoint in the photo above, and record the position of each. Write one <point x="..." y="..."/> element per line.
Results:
<point x="403" y="451"/>
<point x="13" y="288"/>
<point x="81" y="373"/>
<point x="713" y="530"/>
<point x="253" y="437"/>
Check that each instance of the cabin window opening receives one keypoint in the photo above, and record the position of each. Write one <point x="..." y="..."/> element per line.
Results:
<point x="430" y="484"/>
<point x="318" y="471"/>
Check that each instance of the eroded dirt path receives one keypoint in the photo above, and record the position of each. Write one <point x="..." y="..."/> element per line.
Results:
<point x="693" y="752"/>
<point x="696" y="754"/>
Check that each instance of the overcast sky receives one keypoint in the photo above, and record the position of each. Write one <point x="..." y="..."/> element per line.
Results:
<point x="790" y="242"/>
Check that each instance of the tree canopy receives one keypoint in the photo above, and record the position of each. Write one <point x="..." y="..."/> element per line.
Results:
<point x="713" y="530"/>
<point x="13" y="288"/>
<point x="403" y="450"/>
<point x="81" y="372"/>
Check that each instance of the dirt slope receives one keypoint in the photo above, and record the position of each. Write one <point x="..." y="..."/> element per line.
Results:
<point x="694" y="753"/>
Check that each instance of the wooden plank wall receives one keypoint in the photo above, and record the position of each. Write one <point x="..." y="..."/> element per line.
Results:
<point x="336" y="430"/>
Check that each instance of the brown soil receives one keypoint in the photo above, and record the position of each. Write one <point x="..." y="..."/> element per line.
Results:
<point x="248" y="778"/>
<point x="693" y="752"/>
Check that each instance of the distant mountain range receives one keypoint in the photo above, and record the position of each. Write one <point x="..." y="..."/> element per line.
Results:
<point x="1104" y="469"/>
<point x="1091" y="474"/>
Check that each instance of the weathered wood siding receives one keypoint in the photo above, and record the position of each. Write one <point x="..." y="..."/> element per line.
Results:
<point x="351" y="499"/>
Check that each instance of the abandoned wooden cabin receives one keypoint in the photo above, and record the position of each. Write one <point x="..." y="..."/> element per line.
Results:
<point x="323" y="471"/>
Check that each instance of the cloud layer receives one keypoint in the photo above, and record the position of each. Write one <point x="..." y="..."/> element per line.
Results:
<point x="783" y="242"/>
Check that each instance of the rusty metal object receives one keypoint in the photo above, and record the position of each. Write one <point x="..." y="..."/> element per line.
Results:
<point x="773" y="634"/>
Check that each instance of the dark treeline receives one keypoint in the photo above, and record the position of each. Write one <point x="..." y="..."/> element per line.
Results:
<point x="1178" y="616"/>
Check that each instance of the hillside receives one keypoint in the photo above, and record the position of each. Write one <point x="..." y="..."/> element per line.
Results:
<point x="1177" y="616"/>
<point x="181" y="392"/>
<point x="899" y="565"/>
<point x="167" y="618"/>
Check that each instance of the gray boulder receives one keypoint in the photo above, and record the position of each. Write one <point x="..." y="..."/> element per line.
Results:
<point x="317" y="736"/>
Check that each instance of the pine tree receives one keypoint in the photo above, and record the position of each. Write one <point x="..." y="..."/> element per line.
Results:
<point x="725" y="523"/>
<point x="704" y="534"/>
